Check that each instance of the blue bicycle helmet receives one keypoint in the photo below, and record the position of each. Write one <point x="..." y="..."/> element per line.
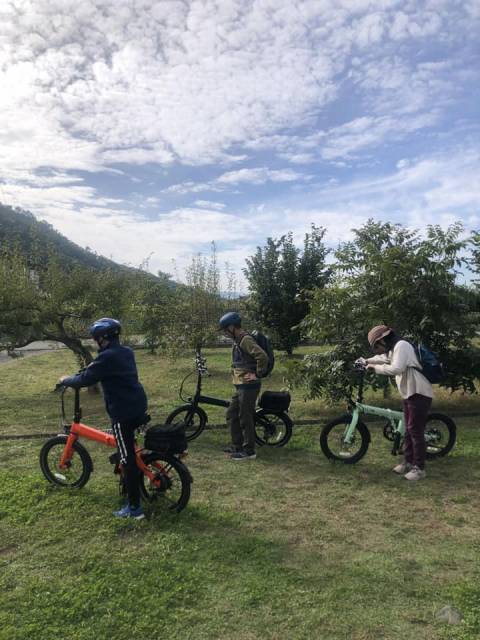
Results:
<point x="232" y="317"/>
<point x="105" y="328"/>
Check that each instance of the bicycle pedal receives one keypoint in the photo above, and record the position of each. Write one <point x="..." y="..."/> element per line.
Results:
<point x="114" y="458"/>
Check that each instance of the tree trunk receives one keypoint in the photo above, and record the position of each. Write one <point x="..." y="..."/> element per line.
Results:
<point x="83" y="354"/>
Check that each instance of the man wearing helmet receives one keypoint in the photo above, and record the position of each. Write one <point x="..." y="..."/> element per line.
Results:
<point x="249" y="363"/>
<point x="125" y="400"/>
<point x="396" y="357"/>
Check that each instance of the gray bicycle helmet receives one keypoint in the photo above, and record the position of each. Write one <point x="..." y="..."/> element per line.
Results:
<point x="105" y="328"/>
<point x="232" y="317"/>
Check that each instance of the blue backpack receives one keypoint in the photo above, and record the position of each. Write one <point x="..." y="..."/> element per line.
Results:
<point x="432" y="368"/>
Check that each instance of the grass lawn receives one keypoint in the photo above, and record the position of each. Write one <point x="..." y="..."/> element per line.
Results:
<point x="288" y="546"/>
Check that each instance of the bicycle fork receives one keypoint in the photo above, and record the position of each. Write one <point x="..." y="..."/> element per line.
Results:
<point x="349" y="435"/>
<point x="68" y="451"/>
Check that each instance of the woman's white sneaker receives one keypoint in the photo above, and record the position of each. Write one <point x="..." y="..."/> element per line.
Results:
<point x="415" y="473"/>
<point x="402" y="468"/>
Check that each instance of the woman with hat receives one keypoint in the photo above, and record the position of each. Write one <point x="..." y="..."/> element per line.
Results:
<point x="396" y="357"/>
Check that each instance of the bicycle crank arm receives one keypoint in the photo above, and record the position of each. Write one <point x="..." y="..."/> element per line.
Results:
<point x="397" y="441"/>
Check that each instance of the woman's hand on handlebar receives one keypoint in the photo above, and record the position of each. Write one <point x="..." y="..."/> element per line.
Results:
<point x="360" y="363"/>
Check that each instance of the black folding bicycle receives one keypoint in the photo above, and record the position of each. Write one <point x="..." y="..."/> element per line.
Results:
<point x="273" y="425"/>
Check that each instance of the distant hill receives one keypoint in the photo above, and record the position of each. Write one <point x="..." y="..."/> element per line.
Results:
<point x="20" y="229"/>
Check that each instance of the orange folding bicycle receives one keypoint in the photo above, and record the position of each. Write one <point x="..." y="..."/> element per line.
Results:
<point x="164" y="478"/>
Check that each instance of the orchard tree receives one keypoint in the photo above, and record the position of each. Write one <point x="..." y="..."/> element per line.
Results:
<point x="155" y="310"/>
<point x="18" y="300"/>
<point x="281" y="278"/>
<point x="198" y="304"/>
<point x="391" y="275"/>
<point x="56" y="303"/>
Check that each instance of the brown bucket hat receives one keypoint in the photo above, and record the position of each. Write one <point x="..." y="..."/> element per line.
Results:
<point x="377" y="333"/>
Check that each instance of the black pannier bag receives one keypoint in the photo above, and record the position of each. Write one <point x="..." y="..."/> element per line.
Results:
<point x="166" y="437"/>
<point x="275" y="400"/>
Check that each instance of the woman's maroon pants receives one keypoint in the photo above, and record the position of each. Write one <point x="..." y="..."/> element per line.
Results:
<point x="415" y="410"/>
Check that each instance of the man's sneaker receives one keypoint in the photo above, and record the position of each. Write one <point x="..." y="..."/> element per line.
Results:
<point x="415" y="474"/>
<point x="231" y="449"/>
<point x="402" y="468"/>
<point x="128" y="512"/>
<point x="243" y="455"/>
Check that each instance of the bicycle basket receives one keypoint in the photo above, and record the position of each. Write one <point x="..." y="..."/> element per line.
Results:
<point x="168" y="438"/>
<point x="275" y="401"/>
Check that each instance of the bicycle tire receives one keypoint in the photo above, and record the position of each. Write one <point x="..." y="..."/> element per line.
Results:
<point x="60" y="477"/>
<point x="272" y="429"/>
<point x="194" y="418"/>
<point x="326" y="438"/>
<point x="170" y="471"/>
<point x="433" y="435"/>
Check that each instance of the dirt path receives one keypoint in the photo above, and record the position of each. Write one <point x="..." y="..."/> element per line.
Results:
<point x="33" y="349"/>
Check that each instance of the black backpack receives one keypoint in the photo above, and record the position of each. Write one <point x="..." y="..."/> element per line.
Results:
<point x="432" y="368"/>
<point x="265" y="344"/>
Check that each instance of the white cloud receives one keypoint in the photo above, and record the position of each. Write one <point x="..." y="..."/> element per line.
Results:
<point x="191" y="187"/>
<point x="86" y="85"/>
<point x="369" y="132"/>
<point x="259" y="175"/>
<point x="251" y="176"/>
<point x="208" y="204"/>
<point x="298" y="158"/>
<point x="420" y="191"/>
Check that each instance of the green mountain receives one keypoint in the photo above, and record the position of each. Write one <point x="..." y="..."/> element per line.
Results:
<point x="20" y="230"/>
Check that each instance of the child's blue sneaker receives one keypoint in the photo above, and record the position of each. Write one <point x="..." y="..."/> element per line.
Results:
<point x="128" y="512"/>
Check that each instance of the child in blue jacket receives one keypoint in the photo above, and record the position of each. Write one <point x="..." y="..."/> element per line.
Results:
<point x="125" y="401"/>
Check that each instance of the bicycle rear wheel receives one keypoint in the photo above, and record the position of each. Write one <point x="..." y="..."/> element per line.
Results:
<point x="78" y="469"/>
<point x="334" y="445"/>
<point x="272" y="429"/>
<point x="440" y="435"/>
<point x="171" y="484"/>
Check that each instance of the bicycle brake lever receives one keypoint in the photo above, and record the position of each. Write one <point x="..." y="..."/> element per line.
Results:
<point x="359" y="366"/>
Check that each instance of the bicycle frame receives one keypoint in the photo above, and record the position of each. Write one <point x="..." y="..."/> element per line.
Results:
<point x="357" y="408"/>
<point x="198" y="398"/>
<point x="195" y="416"/>
<point x="78" y="430"/>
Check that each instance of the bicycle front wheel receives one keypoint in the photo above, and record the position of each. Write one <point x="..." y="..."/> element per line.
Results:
<point x="272" y="429"/>
<point x="171" y="483"/>
<point x="440" y="435"/>
<point x="77" y="470"/>
<point x="194" y="419"/>
<point x="333" y="440"/>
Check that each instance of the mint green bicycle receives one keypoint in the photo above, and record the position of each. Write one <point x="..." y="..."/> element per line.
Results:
<point x="347" y="437"/>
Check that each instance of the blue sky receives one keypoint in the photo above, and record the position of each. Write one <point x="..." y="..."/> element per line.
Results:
<point x="145" y="128"/>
